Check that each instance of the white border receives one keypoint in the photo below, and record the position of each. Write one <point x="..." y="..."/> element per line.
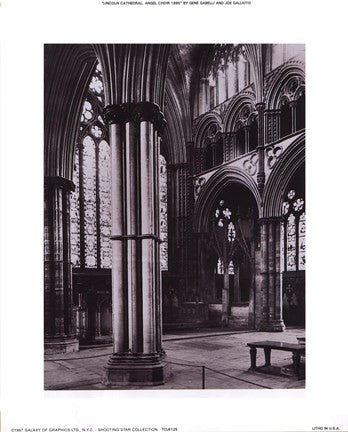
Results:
<point x="25" y="26"/>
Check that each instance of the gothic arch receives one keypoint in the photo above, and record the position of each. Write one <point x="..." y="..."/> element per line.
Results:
<point x="68" y="71"/>
<point x="291" y="160"/>
<point x="203" y="125"/>
<point x="176" y="111"/>
<point x="279" y="80"/>
<point x="234" y="110"/>
<point x="211" y="190"/>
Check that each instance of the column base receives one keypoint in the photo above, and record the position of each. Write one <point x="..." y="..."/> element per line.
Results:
<point x="125" y="370"/>
<point x="273" y="326"/>
<point x="61" y="345"/>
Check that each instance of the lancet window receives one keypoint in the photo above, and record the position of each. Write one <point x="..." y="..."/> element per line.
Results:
<point x="294" y="231"/>
<point x="292" y="107"/>
<point x="90" y="210"/>
<point x="90" y="214"/>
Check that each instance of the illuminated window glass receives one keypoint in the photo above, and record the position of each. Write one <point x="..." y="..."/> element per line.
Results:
<point x="90" y="214"/>
<point x="163" y="214"/>
<point x="224" y="231"/>
<point x="294" y="232"/>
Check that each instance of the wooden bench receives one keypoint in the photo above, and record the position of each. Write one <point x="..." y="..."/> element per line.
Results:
<point x="297" y="350"/>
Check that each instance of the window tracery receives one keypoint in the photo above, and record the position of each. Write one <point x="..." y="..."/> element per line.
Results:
<point x="90" y="211"/>
<point x="225" y="234"/>
<point x="292" y="106"/>
<point x="294" y="232"/>
<point x="163" y="213"/>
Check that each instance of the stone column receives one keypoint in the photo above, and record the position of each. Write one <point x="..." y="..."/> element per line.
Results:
<point x="214" y="149"/>
<point x="236" y="284"/>
<point x="203" y="96"/>
<point x="136" y="279"/>
<point x="225" y="68"/>
<point x="247" y="139"/>
<point x="59" y="336"/>
<point x="271" y="286"/>
<point x="293" y="116"/>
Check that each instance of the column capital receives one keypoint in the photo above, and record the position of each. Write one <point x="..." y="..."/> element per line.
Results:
<point x="260" y="107"/>
<point x="59" y="182"/>
<point x="117" y="114"/>
<point x="136" y="112"/>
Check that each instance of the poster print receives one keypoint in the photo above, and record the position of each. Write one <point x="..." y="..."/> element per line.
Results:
<point x="175" y="216"/>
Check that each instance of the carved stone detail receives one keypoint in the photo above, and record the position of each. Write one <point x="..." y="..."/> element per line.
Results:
<point x="273" y="154"/>
<point x="250" y="164"/>
<point x="199" y="183"/>
<point x="136" y="112"/>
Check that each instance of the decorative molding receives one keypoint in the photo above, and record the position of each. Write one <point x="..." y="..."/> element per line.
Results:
<point x="117" y="114"/>
<point x="273" y="154"/>
<point x="261" y="178"/>
<point x="136" y="112"/>
<point x="275" y="74"/>
<point x="292" y="89"/>
<point x="250" y="164"/>
<point x="198" y="185"/>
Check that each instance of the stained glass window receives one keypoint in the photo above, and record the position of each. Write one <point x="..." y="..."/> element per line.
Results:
<point x="90" y="215"/>
<point x="220" y="267"/>
<point x="89" y="201"/>
<point x="163" y="213"/>
<point x="223" y="216"/>
<point x="294" y="232"/>
<point x="105" y="204"/>
<point x="75" y="215"/>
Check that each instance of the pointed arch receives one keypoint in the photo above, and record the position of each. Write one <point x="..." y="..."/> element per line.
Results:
<point x="68" y="71"/>
<point x="235" y="108"/>
<point x="291" y="160"/>
<point x="204" y="123"/>
<point x="211" y="190"/>
<point x="278" y="80"/>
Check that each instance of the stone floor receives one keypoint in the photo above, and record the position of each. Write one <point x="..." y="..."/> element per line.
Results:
<point x="223" y="351"/>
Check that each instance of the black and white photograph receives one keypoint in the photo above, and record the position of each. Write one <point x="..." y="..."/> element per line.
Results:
<point x="174" y="216"/>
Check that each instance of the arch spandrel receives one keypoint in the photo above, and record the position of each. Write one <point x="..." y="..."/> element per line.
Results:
<point x="291" y="159"/>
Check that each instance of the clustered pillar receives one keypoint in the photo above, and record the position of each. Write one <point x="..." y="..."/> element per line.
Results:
<point x="136" y="285"/>
<point x="271" y="282"/>
<point x="59" y="332"/>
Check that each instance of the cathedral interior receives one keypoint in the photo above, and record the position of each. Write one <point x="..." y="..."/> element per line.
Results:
<point x="174" y="197"/>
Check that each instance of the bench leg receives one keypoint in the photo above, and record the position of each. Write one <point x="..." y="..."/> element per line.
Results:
<point x="296" y="358"/>
<point x="253" y="358"/>
<point x="267" y="356"/>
